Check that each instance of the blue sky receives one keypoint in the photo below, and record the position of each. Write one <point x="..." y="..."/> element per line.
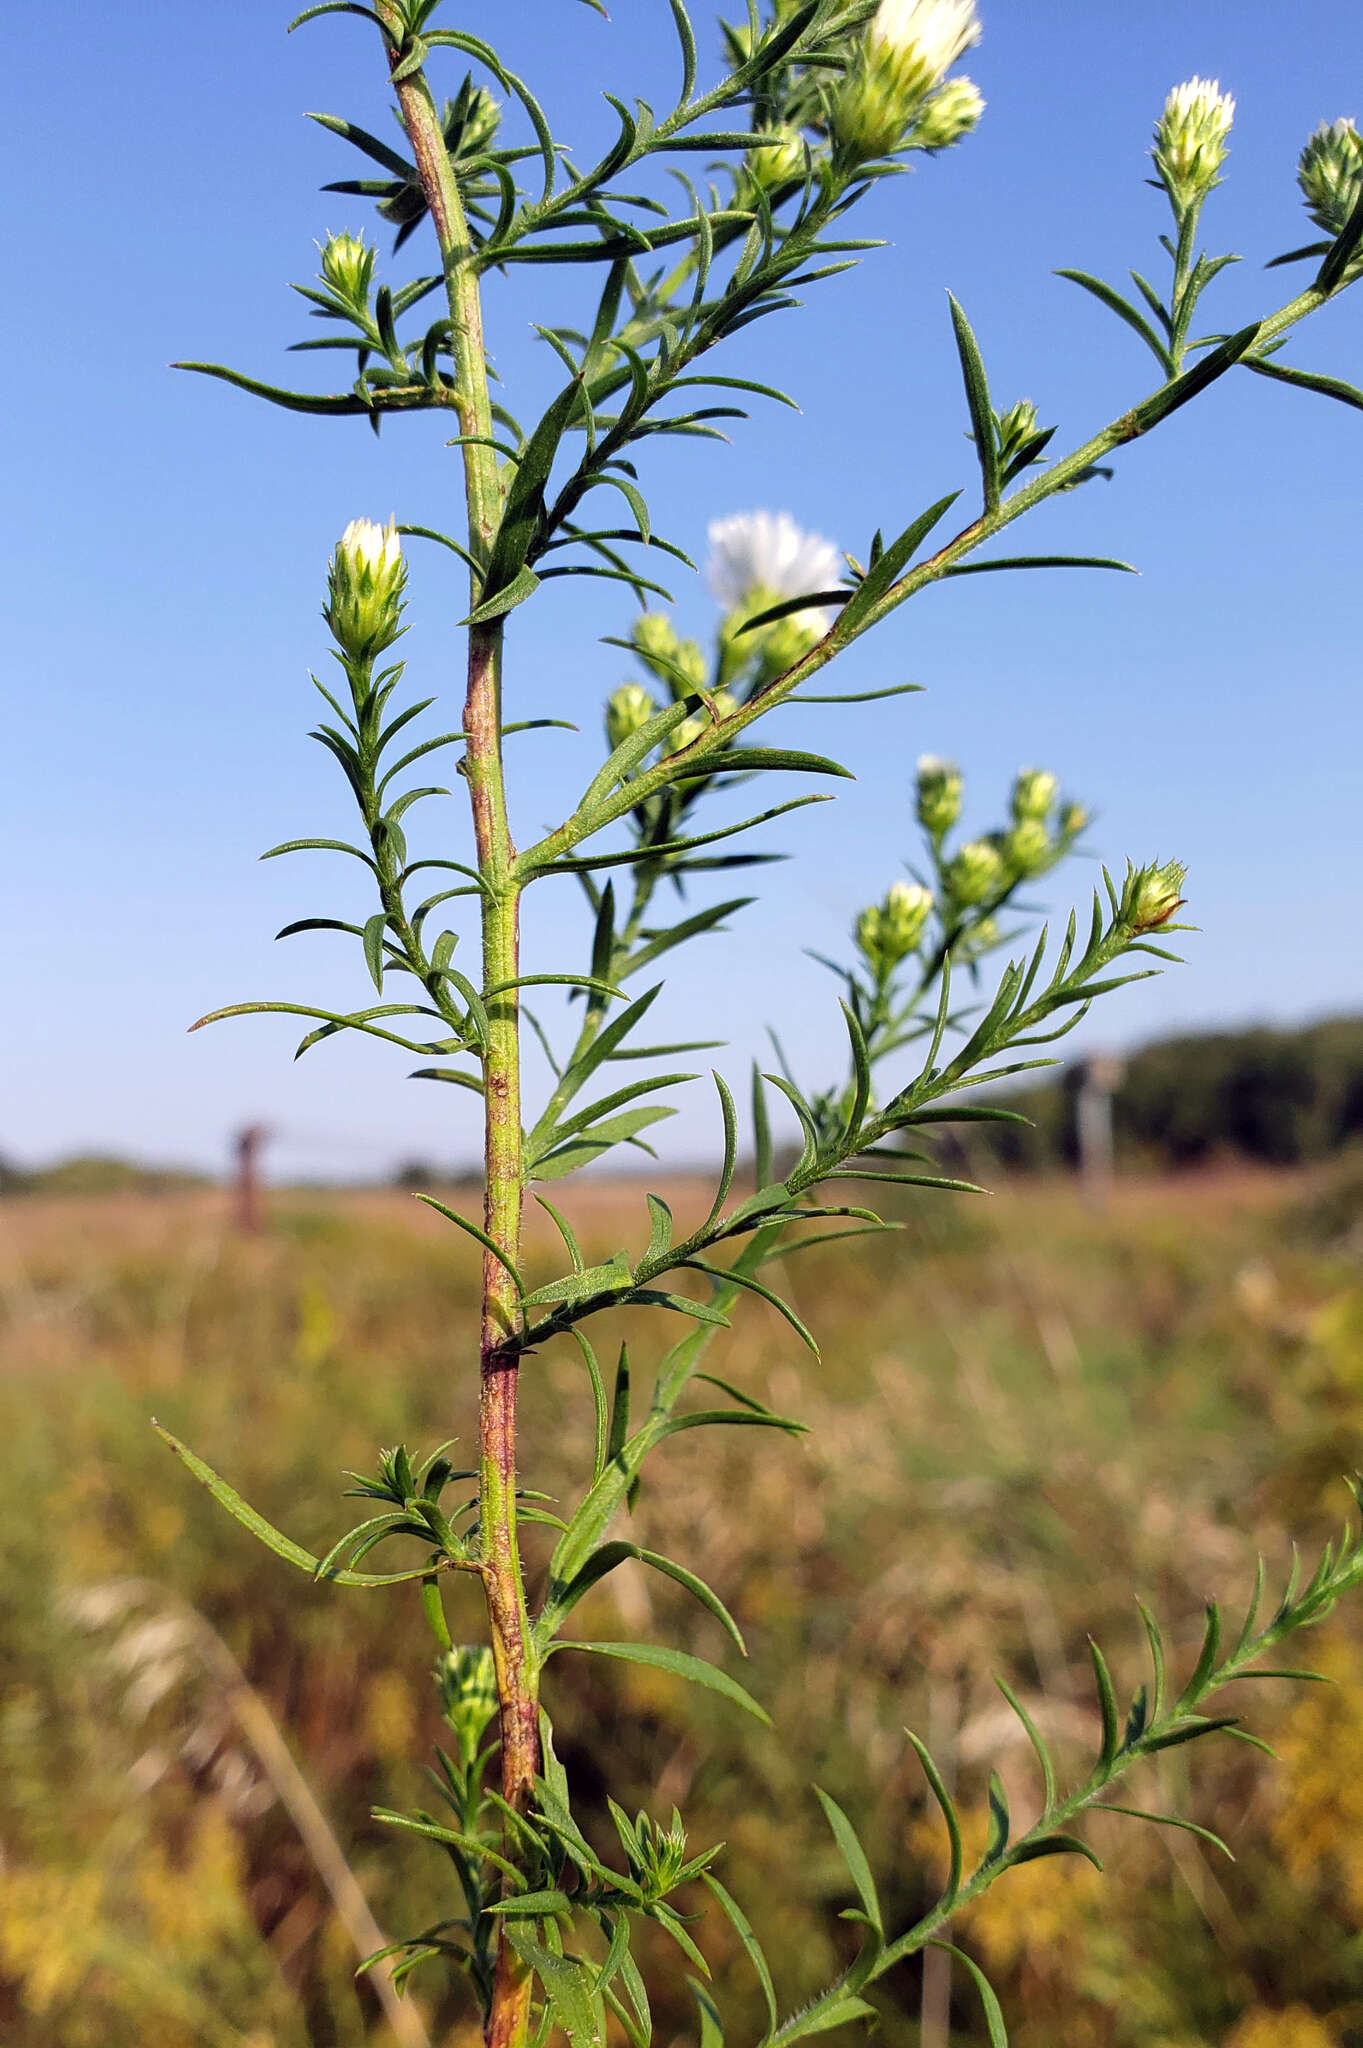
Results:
<point x="167" y="541"/>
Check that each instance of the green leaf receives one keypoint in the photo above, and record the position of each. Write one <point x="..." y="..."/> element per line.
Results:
<point x="562" y="1600"/>
<point x="570" y="1989"/>
<point x="1306" y="380"/>
<point x="854" y="1856"/>
<point x="977" y="398"/>
<point x="993" y="2015"/>
<point x="1041" y="562"/>
<point x="742" y="1927"/>
<point x="1124" y="310"/>
<point x="522" y="585"/>
<point x="1107" y="1702"/>
<point x="652" y="1297"/>
<point x="1054" y="1845"/>
<point x="532" y="1905"/>
<point x="374" y="930"/>
<point x="694" y="1669"/>
<point x="877" y="581"/>
<point x="724" y="1276"/>
<point x="947" y="1805"/>
<point x="273" y="1539"/>
<point x="475" y="1231"/>
<point x="1181" y="389"/>
<point x="1169" y="1820"/>
<point x="579" y="1151"/>
<point x="291" y="401"/>
<point x="583" y="1284"/>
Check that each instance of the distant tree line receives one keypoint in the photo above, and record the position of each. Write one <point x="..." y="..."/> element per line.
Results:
<point x="1281" y="1097"/>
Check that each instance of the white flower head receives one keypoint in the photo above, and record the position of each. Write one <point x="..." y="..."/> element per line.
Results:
<point x="1190" y="139"/>
<point x="924" y="37"/>
<point x="364" y="589"/>
<point x="371" y="547"/>
<point x="765" y="556"/>
<point x="907" y="50"/>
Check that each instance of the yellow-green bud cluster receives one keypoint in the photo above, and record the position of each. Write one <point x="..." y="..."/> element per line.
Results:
<point x="1034" y="794"/>
<point x="1330" y="173"/>
<point x="364" y="589"/>
<point x="907" y="50"/>
<point x="1073" y="818"/>
<point x="888" y="932"/>
<point x="778" y="163"/>
<point x="1028" y="847"/>
<point x="1190" y="140"/>
<point x="468" y="1695"/>
<point x="482" y="118"/>
<point x="661" y="1853"/>
<point x="976" y="873"/>
<point x="628" y="710"/>
<point x="939" y="794"/>
<point x="348" y="267"/>
<point x="1151" y="895"/>
<point x="953" y="110"/>
<point x="678" y="663"/>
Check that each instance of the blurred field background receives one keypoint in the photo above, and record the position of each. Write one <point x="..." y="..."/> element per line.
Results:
<point x="1029" y="1410"/>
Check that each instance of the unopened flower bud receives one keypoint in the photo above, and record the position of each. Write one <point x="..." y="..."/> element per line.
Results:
<point x="777" y="163"/>
<point x="1027" y="848"/>
<point x="906" y="52"/>
<point x="1034" y="793"/>
<point x="1190" y="140"/>
<point x="954" y="109"/>
<point x="678" y="663"/>
<point x="482" y="118"/>
<point x="939" y="794"/>
<point x="1152" y="895"/>
<point x="348" y="267"/>
<point x="628" y="710"/>
<point x="1073" y="818"/>
<point x="903" y="916"/>
<point x="1330" y="173"/>
<point x="468" y="1695"/>
<point x="364" y="589"/>
<point x="976" y="873"/>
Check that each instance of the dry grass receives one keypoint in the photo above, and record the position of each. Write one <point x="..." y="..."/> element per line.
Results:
<point x="1025" y="1413"/>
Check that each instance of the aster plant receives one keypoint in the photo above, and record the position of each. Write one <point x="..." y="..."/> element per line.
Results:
<point x="815" y="104"/>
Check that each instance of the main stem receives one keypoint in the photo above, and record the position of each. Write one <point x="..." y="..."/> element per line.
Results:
<point x="508" y="2016"/>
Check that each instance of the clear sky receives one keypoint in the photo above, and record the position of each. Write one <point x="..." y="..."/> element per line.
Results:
<point x="167" y="541"/>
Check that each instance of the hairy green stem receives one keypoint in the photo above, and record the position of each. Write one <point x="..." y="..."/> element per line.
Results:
<point x="508" y="2018"/>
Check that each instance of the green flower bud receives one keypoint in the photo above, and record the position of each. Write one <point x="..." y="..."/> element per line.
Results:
<point x="467" y="1680"/>
<point x="888" y="932"/>
<point x="1073" y="818"/>
<point x="778" y="163"/>
<point x="976" y="873"/>
<point x="678" y="663"/>
<point x="1330" y="173"/>
<point x="954" y="109"/>
<point x="661" y="1853"/>
<point x="628" y="710"/>
<point x="348" y="267"/>
<point x="482" y="118"/>
<point x="364" y="589"/>
<point x="904" y="914"/>
<point x="906" y="52"/>
<point x="1027" y="849"/>
<point x="1190" y="140"/>
<point x="939" y="794"/>
<point x="1151" y="895"/>
<point x="1034" y="793"/>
